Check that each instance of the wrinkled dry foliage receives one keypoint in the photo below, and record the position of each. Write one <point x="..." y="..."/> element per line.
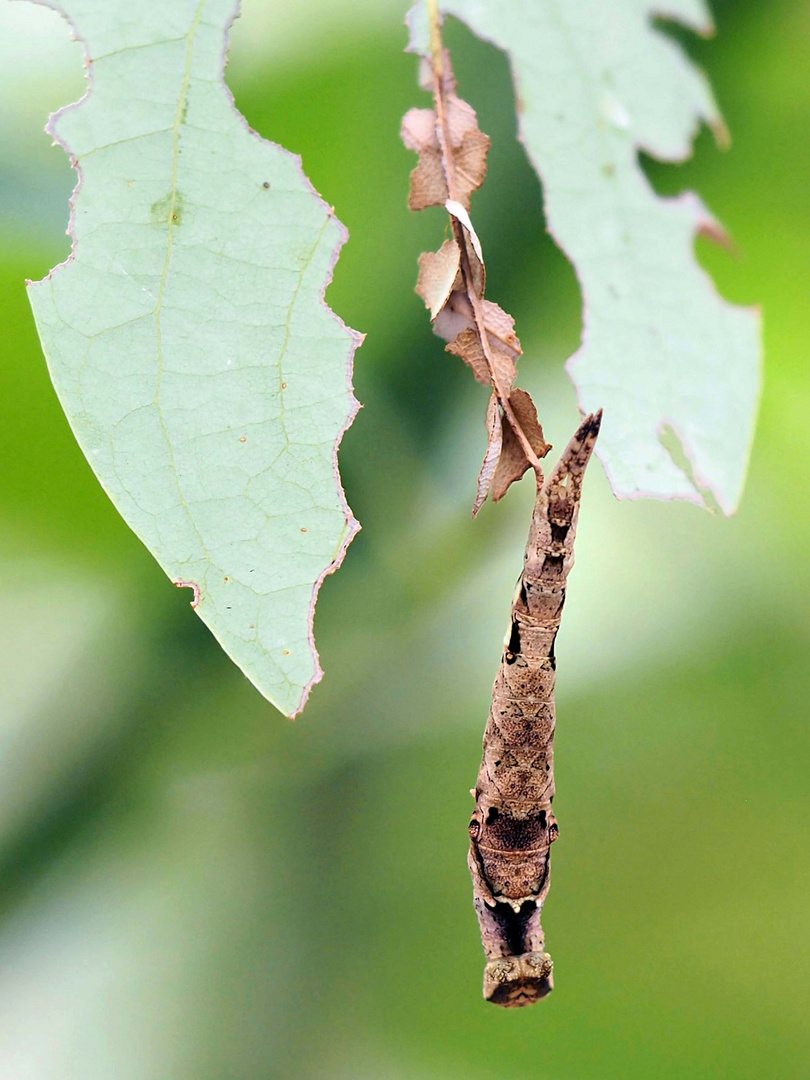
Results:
<point x="452" y="164"/>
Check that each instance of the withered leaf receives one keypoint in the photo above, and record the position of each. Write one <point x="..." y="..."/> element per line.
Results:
<point x="452" y="163"/>
<point x="442" y="287"/>
<point x="503" y="345"/>
<point x="471" y="164"/>
<point x="513" y="463"/>
<point x="501" y="328"/>
<point x="439" y="275"/>
<point x="505" y="460"/>
<point x="461" y="118"/>
<point x="428" y="182"/>
<point x="456" y="315"/>
<point x="467" y="345"/>
<point x="419" y="129"/>
<point x="456" y="210"/>
<point x="466" y="159"/>
<point x="494" y="443"/>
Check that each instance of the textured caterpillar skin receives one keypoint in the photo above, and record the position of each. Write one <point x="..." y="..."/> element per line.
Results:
<point x="513" y="826"/>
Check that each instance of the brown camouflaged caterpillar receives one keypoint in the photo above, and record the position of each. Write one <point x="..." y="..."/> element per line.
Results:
<point x="513" y="826"/>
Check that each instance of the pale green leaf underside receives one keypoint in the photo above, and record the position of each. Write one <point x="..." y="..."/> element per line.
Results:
<point x="662" y="353"/>
<point x="205" y="378"/>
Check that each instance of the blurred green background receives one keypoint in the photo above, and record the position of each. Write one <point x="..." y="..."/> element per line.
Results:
<point x="193" y="888"/>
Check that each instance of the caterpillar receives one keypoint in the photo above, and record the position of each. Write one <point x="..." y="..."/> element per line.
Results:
<point x="513" y="825"/>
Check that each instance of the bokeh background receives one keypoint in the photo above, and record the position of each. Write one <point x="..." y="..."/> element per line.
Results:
<point x="192" y="887"/>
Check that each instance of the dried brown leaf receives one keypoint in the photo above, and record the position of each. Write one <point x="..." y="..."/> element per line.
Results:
<point x="494" y="444"/>
<point x="450" y="308"/>
<point x="467" y="345"/>
<point x="428" y="180"/>
<point x="457" y="211"/>
<point x="418" y="129"/>
<point x="428" y="183"/>
<point x="501" y="329"/>
<point x="504" y="346"/>
<point x="439" y="275"/>
<point x="461" y="118"/>
<point x="456" y="315"/>
<point x="513" y="463"/>
<point x="471" y="165"/>
<point x="466" y="153"/>
<point x="452" y="163"/>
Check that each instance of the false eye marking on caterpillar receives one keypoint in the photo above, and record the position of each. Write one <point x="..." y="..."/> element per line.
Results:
<point x="513" y="826"/>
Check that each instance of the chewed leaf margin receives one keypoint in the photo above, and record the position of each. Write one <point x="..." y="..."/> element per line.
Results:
<point x="320" y="548"/>
<point x="661" y="350"/>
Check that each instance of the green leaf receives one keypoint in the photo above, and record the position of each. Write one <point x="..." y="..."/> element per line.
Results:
<point x="675" y="367"/>
<point x="205" y="378"/>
